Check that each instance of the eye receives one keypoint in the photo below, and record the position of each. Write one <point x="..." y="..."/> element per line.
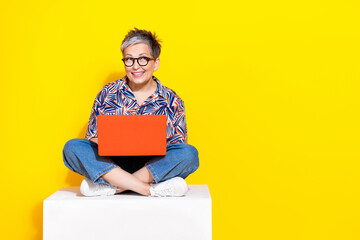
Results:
<point x="129" y="59"/>
<point x="143" y="61"/>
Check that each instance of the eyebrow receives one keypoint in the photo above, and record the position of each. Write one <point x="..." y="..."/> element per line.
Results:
<point x="143" y="53"/>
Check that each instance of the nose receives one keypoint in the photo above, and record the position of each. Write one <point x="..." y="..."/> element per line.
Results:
<point x="136" y="65"/>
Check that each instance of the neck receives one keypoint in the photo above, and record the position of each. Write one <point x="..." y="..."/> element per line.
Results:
<point x="148" y="86"/>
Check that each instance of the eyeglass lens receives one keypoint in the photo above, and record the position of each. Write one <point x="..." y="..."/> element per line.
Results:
<point x="142" y="61"/>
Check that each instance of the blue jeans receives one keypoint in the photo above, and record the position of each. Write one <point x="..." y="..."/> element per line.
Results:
<point x="81" y="156"/>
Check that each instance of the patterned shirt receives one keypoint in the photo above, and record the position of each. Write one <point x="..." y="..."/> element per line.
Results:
<point x="116" y="98"/>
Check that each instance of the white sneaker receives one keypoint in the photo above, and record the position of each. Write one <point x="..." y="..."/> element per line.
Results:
<point x="174" y="187"/>
<point x="90" y="189"/>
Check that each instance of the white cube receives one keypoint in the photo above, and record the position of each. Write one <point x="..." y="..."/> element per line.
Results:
<point x="69" y="215"/>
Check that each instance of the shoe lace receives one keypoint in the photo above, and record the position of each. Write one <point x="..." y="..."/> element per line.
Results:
<point x="165" y="190"/>
<point x="103" y="187"/>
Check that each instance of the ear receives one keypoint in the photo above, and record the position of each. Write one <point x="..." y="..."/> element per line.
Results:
<point x="157" y="64"/>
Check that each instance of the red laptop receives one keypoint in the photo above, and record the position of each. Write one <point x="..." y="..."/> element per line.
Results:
<point x="131" y="135"/>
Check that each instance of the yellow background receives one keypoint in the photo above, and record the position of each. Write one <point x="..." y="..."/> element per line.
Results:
<point x="271" y="90"/>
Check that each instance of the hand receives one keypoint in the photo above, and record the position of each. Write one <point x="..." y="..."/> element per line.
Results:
<point x="95" y="140"/>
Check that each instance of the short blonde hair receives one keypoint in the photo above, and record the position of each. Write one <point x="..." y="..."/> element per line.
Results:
<point x="142" y="36"/>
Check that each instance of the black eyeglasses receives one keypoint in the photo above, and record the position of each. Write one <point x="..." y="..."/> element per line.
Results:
<point x="142" y="61"/>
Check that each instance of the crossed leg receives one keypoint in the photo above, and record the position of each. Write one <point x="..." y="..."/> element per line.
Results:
<point x="81" y="156"/>
<point x="138" y="182"/>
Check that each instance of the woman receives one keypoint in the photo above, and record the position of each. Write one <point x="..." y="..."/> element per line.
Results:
<point x="139" y="92"/>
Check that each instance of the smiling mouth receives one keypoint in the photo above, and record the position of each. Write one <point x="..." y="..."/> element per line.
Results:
<point x="137" y="74"/>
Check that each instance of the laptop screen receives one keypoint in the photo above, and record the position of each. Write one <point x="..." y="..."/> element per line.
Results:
<point x="131" y="135"/>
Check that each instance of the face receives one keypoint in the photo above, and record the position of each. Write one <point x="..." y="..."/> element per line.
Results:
<point x="140" y="75"/>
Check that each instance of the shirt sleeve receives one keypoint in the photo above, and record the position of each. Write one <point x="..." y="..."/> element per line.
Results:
<point x="95" y="111"/>
<point x="179" y="128"/>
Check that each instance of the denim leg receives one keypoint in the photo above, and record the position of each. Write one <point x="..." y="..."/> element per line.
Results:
<point x="180" y="160"/>
<point x="81" y="156"/>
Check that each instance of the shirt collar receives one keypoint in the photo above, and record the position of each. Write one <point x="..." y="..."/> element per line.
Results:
<point x="160" y="90"/>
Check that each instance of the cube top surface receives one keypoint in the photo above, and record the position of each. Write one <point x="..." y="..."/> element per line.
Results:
<point x="196" y="192"/>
